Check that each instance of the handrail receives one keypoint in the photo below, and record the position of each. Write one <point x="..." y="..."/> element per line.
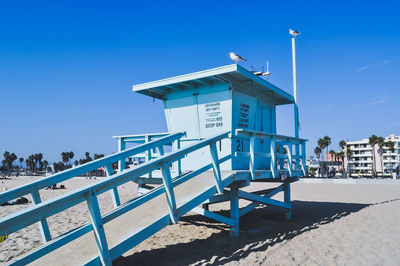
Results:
<point x="17" y="221"/>
<point x="245" y="132"/>
<point x="141" y="138"/>
<point x="134" y="203"/>
<point x="82" y="169"/>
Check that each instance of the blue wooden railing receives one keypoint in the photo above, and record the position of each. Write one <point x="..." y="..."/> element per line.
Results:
<point x="42" y="210"/>
<point x="295" y="163"/>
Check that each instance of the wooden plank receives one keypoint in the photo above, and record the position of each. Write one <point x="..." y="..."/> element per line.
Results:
<point x="43" y="225"/>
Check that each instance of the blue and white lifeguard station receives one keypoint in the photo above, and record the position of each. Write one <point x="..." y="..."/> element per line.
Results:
<point x="222" y="137"/>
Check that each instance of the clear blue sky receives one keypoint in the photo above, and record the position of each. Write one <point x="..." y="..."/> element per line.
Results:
<point x="67" y="67"/>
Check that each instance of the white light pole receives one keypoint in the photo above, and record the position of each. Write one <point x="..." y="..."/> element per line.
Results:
<point x="294" y="33"/>
<point x="296" y="108"/>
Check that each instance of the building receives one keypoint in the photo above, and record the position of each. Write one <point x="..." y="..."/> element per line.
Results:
<point x="361" y="161"/>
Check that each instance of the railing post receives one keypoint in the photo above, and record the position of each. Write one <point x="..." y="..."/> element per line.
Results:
<point x="43" y="226"/>
<point x="114" y="191"/>
<point x="303" y="157"/>
<point x="252" y="157"/>
<point x="281" y="161"/>
<point x="290" y="162"/>
<point x="178" y="146"/>
<point x="121" y="147"/>
<point x="169" y="189"/>
<point x="216" y="168"/>
<point x="98" y="228"/>
<point x="273" y="158"/>
<point x="147" y="138"/>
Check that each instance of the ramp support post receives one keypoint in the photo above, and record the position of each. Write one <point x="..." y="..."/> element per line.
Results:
<point x="234" y="230"/>
<point x="169" y="189"/>
<point x="98" y="228"/>
<point x="215" y="163"/>
<point x="114" y="191"/>
<point x="43" y="226"/>
<point x="286" y="196"/>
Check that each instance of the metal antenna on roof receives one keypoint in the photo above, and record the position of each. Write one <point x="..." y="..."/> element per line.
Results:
<point x="266" y="74"/>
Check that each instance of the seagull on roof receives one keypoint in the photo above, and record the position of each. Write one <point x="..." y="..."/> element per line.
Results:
<point x="236" y="57"/>
<point x="294" y="33"/>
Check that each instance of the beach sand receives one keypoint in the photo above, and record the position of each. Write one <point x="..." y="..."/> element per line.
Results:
<point x="332" y="224"/>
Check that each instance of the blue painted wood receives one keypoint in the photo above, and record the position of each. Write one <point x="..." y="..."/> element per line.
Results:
<point x="53" y="206"/>
<point x="114" y="192"/>
<point x="121" y="147"/>
<point x="290" y="152"/>
<point x="148" y="154"/>
<point x="214" y="216"/>
<point x="52" y="245"/>
<point x="216" y="168"/>
<point x="67" y="200"/>
<point x="303" y="158"/>
<point x="182" y="210"/>
<point x="234" y="204"/>
<point x="139" y="237"/>
<point x="219" y="198"/>
<point x="253" y="205"/>
<point x="252" y="161"/>
<point x="286" y="195"/>
<point x="273" y="160"/>
<point x="98" y="228"/>
<point x="82" y="169"/>
<point x="169" y="190"/>
<point x="43" y="226"/>
<point x="268" y="201"/>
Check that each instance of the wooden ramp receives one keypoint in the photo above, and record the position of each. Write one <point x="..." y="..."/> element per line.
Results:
<point x="107" y="236"/>
<point x="129" y="224"/>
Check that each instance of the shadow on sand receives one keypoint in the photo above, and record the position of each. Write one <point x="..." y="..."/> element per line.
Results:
<point x="259" y="230"/>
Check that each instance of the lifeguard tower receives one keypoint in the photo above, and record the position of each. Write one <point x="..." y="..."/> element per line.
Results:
<point x="222" y="133"/>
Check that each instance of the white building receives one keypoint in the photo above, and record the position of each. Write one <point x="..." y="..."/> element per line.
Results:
<point x="361" y="161"/>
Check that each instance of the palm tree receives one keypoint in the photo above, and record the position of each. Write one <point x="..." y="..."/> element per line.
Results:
<point x="373" y="140"/>
<point x="55" y="167"/>
<point x="349" y="153"/>
<point x="390" y="145"/>
<point x="333" y="154"/>
<point x="20" y="161"/>
<point x="322" y="146"/>
<point x="317" y="152"/>
<point x="381" y="144"/>
<point x="343" y="145"/>
<point x="45" y="164"/>
<point x="327" y="141"/>
<point x="65" y="158"/>
<point x="70" y="156"/>
<point x="39" y="157"/>
<point x="340" y="156"/>
<point x="88" y="158"/>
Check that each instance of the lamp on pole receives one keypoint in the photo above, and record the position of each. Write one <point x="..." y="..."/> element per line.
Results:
<point x="294" y="33"/>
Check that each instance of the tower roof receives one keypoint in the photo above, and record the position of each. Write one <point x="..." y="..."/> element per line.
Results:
<point x="231" y="74"/>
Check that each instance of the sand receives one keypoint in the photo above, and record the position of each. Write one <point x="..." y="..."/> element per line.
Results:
<point x="332" y="224"/>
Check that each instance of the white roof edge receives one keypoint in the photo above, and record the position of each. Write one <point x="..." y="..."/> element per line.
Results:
<point x="186" y="77"/>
